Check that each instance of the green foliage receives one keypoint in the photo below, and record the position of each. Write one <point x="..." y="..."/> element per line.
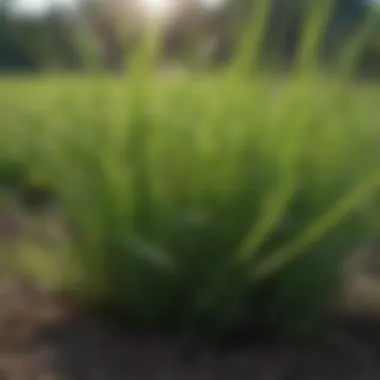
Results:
<point x="205" y="203"/>
<point x="210" y="203"/>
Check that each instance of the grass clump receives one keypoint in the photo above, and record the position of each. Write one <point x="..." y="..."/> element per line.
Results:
<point x="207" y="205"/>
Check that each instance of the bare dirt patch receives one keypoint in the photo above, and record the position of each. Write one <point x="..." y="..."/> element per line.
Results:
<point x="46" y="336"/>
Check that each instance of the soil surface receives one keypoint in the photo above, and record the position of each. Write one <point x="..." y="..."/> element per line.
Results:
<point x="46" y="337"/>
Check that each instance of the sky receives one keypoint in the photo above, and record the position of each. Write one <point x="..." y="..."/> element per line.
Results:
<point x="39" y="6"/>
<point x="159" y="7"/>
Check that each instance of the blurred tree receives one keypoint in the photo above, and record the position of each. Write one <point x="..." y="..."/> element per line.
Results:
<point x="12" y="52"/>
<point x="113" y="28"/>
<point x="32" y="43"/>
<point x="284" y="25"/>
<point x="185" y="33"/>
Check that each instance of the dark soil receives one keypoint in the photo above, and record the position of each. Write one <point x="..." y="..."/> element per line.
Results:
<point x="46" y="337"/>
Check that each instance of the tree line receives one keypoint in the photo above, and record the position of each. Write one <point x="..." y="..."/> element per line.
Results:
<point x="60" y="38"/>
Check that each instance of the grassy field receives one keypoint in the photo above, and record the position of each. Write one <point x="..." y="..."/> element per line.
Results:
<point x="206" y="204"/>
